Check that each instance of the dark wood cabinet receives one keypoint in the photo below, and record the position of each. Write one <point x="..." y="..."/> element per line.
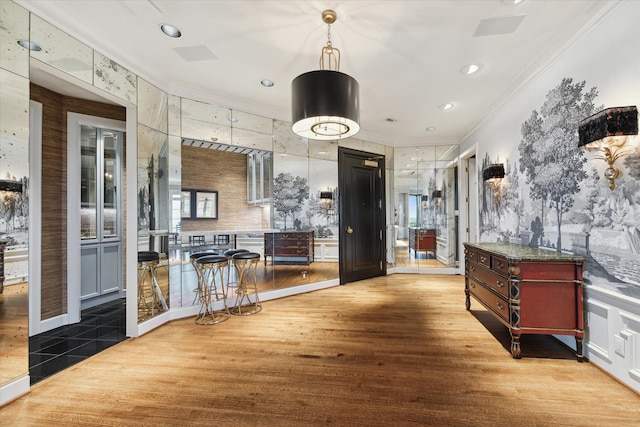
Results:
<point x="529" y="290"/>
<point x="289" y="247"/>
<point x="422" y="239"/>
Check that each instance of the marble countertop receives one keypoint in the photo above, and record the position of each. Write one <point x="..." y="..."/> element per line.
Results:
<point x="514" y="251"/>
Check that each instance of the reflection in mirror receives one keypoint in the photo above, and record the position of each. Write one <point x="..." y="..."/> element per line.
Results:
<point x="425" y="186"/>
<point x="153" y="223"/>
<point x="14" y="164"/>
<point x="240" y="178"/>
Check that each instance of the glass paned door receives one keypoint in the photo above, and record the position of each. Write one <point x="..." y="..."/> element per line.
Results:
<point x="99" y="170"/>
<point x="100" y="206"/>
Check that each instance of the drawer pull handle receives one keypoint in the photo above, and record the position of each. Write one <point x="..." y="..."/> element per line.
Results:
<point x="472" y="285"/>
<point x="500" y="265"/>
<point x="499" y="284"/>
<point x="482" y="259"/>
<point x="500" y="306"/>
<point x="472" y="268"/>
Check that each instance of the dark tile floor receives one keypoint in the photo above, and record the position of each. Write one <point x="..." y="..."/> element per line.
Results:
<point x="100" y="327"/>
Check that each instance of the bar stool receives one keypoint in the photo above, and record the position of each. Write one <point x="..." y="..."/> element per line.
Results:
<point x="245" y="264"/>
<point x="193" y="258"/>
<point x="229" y="253"/>
<point x="148" y="283"/>
<point x="212" y="289"/>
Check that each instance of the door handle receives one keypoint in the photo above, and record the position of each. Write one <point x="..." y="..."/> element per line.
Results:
<point x="349" y="229"/>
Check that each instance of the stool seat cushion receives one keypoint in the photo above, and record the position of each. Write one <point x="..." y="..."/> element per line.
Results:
<point x="212" y="259"/>
<point x="246" y="255"/>
<point x="197" y="255"/>
<point x="231" y="252"/>
<point x="146" y="256"/>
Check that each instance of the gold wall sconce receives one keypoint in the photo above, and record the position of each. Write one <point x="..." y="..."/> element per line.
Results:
<point x="606" y="132"/>
<point x="493" y="175"/>
<point x="326" y="199"/>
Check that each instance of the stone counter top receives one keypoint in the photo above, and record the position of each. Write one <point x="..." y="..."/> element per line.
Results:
<point x="515" y="252"/>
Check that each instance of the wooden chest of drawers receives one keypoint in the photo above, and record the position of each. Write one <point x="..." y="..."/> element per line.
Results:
<point x="289" y="247"/>
<point x="530" y="290"/>
<point x="422" y="239"/>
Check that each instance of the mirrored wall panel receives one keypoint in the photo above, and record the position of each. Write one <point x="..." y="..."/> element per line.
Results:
<point x="425" y="214"/>
<point x="153" y="223"/>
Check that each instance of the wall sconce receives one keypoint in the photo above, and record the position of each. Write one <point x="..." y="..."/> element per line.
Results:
<point x="606" y="132"/>
<point x="493" y="175"/>
<point x="436" y="195"/>
<point x="8" y="185"/>
<point x="326" y="195"/>
<point x="326" y="199"/>
<point x="425" y="201"/>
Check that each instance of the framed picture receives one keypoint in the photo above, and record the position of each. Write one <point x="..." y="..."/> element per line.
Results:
<point x="206" y="204"/>
<point x="185" y="204"/>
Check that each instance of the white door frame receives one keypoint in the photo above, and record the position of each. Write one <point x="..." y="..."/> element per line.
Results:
<point x="468" y="230"/>
<point x="74" y="264"/>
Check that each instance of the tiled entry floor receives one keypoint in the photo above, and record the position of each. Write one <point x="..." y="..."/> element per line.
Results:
<point x="100" y="327"/>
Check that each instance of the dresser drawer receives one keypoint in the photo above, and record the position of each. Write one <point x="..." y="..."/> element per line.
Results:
<point x="291" y="242"/>
<point x="484" y="259"/>
<point x="293" y="236"/>
<point x="500" y="265"/>
<point x="472" y="254"/>
<point x="291" y="250"/>
<point x="490" y="300"/>
<point x="496" y="282"/>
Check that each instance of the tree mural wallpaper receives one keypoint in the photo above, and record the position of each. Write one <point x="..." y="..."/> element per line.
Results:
<point x="553" y="197"/>
<point x="289" y="193"/>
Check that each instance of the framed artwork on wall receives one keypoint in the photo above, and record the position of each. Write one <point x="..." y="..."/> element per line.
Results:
<point x="206" y="204"/>
<point x="198" y="204"/>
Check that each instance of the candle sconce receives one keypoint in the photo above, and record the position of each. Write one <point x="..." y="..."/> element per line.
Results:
<point x="493" y="175"/>
<point x="606" y="132"/>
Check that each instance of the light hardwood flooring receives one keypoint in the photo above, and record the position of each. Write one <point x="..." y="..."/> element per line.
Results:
<point x="390" y="351"/>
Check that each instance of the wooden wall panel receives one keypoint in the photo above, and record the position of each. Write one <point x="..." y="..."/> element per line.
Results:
<point x="54" y="190"/>
<point x="204" y="169"/>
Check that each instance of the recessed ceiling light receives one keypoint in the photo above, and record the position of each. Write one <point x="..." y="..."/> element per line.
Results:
<point x="233" y="120"/>
<point x="431" y="129"/>
<point x="322" y="153"/>
<point x="445" y="107"/>
<point x="267" y="83"/>
<point x="170" y="30"/>
<point x="469" y="69"/>
<point x="29" y="45"/>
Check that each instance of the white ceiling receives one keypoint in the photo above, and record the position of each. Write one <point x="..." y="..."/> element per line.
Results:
<point x="406" y="55"/>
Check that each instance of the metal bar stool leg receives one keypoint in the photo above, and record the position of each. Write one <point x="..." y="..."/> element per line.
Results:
<point x="245" y="264"/>
<point x="212" y="290"/>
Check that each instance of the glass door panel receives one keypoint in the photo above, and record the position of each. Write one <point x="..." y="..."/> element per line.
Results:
<point x="88" y="184"/>
<point x="110" y="199"/>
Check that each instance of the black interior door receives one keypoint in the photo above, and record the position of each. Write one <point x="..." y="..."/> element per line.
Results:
<point x="362" y="215"/>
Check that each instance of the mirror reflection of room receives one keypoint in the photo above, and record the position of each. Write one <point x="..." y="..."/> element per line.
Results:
<point x="425" y="215"/>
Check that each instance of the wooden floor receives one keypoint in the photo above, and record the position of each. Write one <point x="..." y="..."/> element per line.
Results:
<point x="391" y="351"/>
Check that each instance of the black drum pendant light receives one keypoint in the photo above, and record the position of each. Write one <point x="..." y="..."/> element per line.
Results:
<point x="325" y="103"/>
